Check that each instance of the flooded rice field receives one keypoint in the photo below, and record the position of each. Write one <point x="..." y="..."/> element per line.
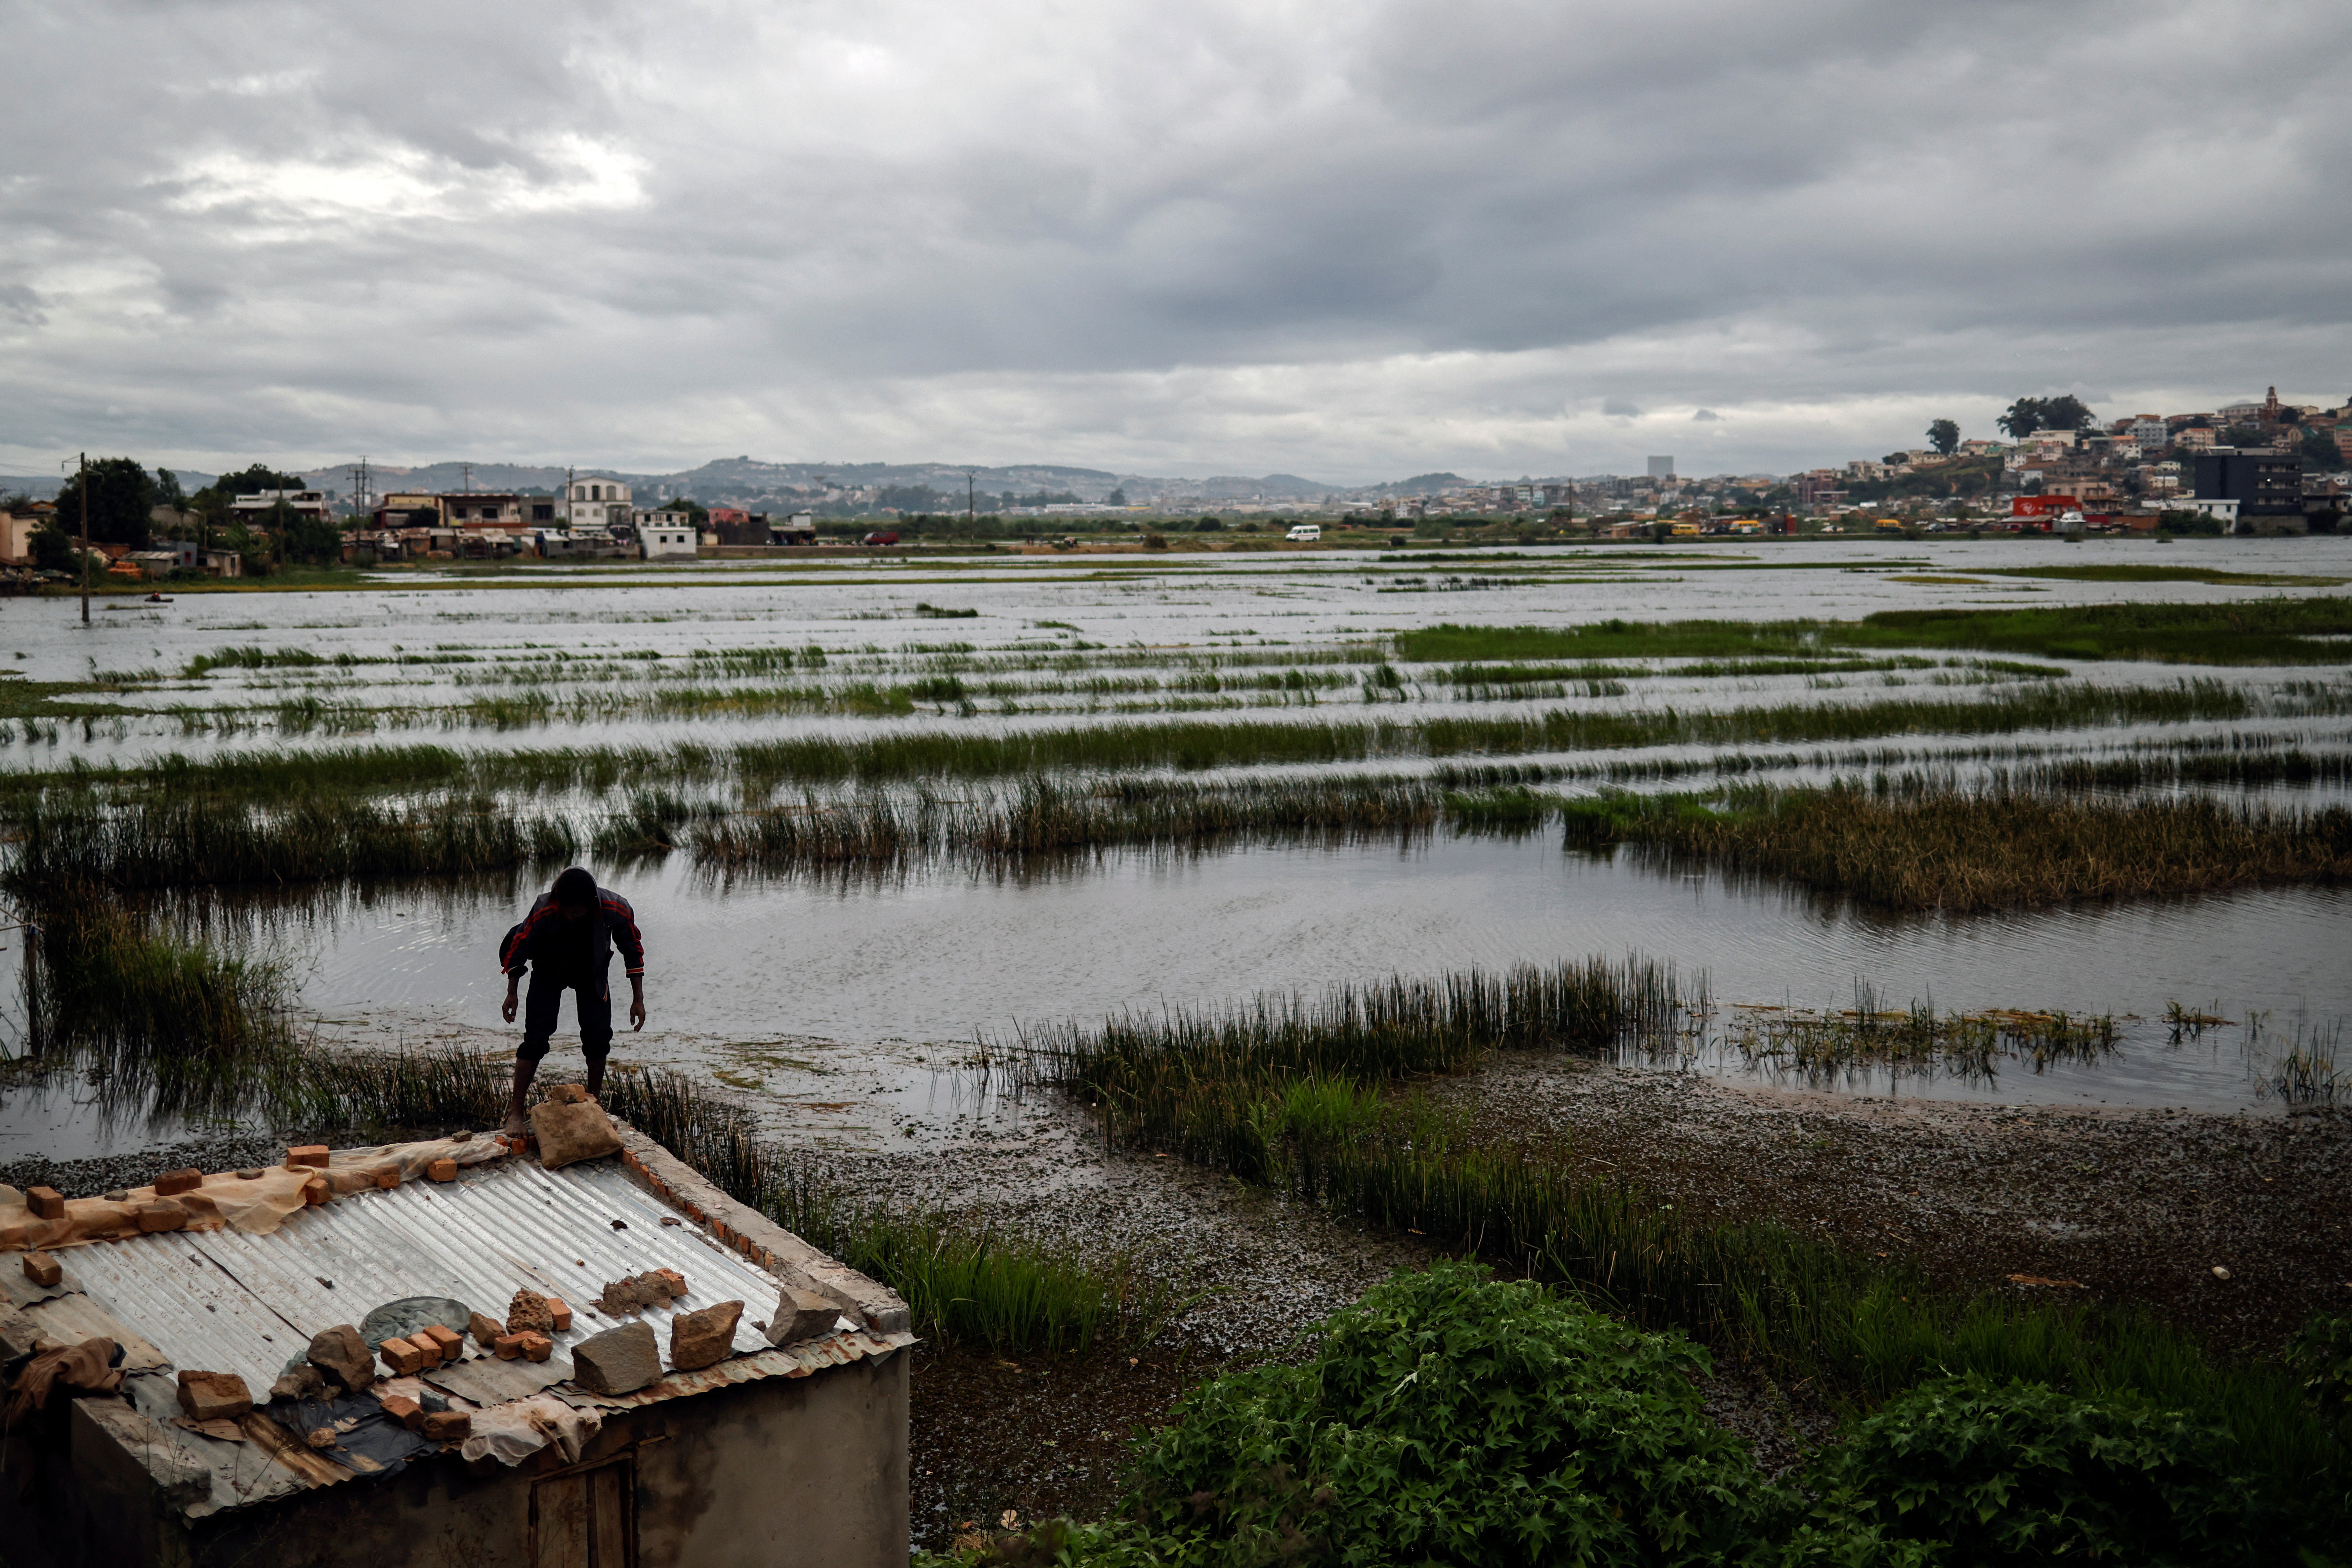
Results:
<point x="846" y="1005"/>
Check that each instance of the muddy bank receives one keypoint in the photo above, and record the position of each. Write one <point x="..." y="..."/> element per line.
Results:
<point x="2126" y="1205"/>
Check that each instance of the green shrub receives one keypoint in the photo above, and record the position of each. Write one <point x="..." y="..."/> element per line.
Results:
<point x="1977" y="1472"/>
<point x="2322" y="1354"/>
<point x="1450" y="1418"/>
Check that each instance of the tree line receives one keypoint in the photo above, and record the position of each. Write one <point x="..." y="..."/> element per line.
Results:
<point x="113" y="501"/>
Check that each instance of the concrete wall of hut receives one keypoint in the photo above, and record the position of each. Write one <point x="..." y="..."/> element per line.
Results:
<point x="779" y="1472"/>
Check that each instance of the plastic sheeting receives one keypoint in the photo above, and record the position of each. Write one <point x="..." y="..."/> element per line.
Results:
<point x="367" y="1441"/>
<point x="256" y="1205"/>
<point x="513" y="1432"/>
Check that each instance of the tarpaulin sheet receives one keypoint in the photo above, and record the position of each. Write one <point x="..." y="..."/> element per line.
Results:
<point x="256" y="1204"/>
<point x="367" y="1441"/>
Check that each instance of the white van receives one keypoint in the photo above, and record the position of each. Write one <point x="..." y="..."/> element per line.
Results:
<point x="1305" y="533"/>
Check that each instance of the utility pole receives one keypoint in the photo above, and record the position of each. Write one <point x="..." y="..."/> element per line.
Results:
<point x="467" y="470"/>
<point x="970" y="511"/>
<point x="84" y="461"/>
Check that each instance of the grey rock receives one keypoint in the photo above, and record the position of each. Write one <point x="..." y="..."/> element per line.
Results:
<point x="303" y="1382"/>
<point x="701" y="1339"/>
<point x="569" y="1133"/>
<point x="343" y="1358"/>
<point x="800" y="1315"/>
<point x="618" y="1361"/>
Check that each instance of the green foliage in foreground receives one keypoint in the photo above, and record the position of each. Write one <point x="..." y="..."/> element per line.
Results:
<point x="1448" y="1418"/>
<point x="1977" y="1471"/>
<point x="2255" y="631"/>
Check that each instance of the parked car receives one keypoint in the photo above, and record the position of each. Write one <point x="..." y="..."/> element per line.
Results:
<point x="1305" y="533"/>
<point x="879" y="539"/>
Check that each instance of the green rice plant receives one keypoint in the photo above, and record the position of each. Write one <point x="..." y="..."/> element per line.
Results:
<point x="144" y="1013"/>
<point x="1191" y="1080"/>
<point x="1823" y="1045"/>
<point x="758" y="767"/>
<point x="162" y="843"/>
<point x="1926" y="848"/>
<point x="319" y="1087"/>
<point x="648" y="826"/>
<point x="2243" y="769"/>
<point x="2257" y="631"/>
<point x="254" y="658"/>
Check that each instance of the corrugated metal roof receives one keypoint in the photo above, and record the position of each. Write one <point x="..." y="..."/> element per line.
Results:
<point x="797" y="1360"/>
<point x="226" y="1301"/>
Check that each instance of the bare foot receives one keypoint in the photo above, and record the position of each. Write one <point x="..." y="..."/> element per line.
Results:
<point x="517" y="1128"/>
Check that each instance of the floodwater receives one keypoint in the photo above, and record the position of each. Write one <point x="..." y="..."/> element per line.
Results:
<point x="852" y="1009"/>
<point x="500" y="633"/>
<point x="844" y="1009"/>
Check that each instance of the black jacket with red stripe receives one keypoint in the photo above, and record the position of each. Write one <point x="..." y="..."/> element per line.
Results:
<point x="551" y="945"/>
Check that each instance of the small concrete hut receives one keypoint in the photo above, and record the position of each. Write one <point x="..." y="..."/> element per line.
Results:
<point x="147" y="1309"/>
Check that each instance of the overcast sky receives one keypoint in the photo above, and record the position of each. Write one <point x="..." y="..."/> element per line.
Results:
<point x="1353" y="241"/>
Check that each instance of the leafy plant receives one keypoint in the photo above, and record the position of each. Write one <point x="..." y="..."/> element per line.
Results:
<point x="2322" y="1353"/>
<point x="1979" y="1472"/>
<point x="1447" y="1417"/>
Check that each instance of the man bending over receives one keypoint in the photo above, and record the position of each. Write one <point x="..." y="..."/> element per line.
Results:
<point x="567" y="942"/>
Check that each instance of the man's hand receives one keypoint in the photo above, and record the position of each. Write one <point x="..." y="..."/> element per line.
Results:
<point x="636" y="1004"/>
<point x="508" y="1010"/>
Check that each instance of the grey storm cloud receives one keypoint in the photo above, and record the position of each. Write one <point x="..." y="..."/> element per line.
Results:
<point x="1346" y="240"/>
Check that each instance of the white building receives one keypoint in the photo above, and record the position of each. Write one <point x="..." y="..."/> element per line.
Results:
<point x="301" y="503"/>
<point x="662" y="535"/>
<point x="595" y="503"/>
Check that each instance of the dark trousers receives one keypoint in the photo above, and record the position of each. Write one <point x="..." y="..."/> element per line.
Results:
<point x="592" y="999"/>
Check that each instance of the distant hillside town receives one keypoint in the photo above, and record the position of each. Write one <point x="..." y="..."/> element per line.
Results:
<point x="2253" y="466"/>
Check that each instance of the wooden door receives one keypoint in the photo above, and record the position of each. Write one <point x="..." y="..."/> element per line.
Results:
<point x="585" y="1519"/>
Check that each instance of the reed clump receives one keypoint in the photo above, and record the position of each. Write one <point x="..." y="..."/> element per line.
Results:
<point x="1822" y="1045"/>
<point x="1930" y="848"/>
<point x="1187" y="1079"/>
<point x="210" y="841"/>
<point x="1044" y="815"/>
<point x="144" y="1013"/>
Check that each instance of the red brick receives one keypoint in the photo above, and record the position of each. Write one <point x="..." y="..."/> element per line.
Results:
<point x="442" y="1171"/>
<point x="42" y="1269"/>
<point x="213" y="1395"/>
<point x="162" y="1216"/>
<point x="388" y="1177"/>
<point x="406" y="1411"/>
<point x="508" y="1347"/>
<point x="536" y="1347"/>
<point x="673" y="1280"/>
<point x="448" y="1425"/>
<point x="315" y="1191"/>
<point x="307" y="1154"/>
<point x="47" y="1203"/>
<point x="447" y="1346"/>
<point x="401" y="1356"/>
<point x="560" y="1312"/>
<point x="171" y="1184"/>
